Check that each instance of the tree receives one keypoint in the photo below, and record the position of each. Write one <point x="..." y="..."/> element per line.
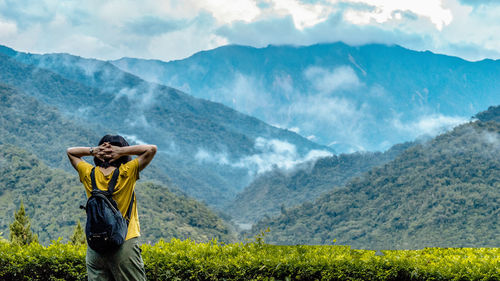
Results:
<point x="20" y="232"/>
<point x="78" y="237"/>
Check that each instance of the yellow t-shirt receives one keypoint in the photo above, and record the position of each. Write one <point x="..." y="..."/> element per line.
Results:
<point x="125" y="185"/>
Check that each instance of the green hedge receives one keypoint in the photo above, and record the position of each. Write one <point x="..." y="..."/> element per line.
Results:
<point x="187" y="260"/>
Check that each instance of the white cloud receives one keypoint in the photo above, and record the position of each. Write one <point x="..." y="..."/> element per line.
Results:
<point x="326" y="109"/>
<point x="142" y="96"/>
<point x="139" y="121"/>
<point x="491" y="138"/>
<point x="283" y="83"/>
<point x="311" y="138"/>
<point x="132" y="139"/>
<point x="327" y="81"/>
<point x="102" y="29"/>
<point x="184" y="42"/>
<point x="342" y="120"/>
<point x="231" y="10"/>
<point x="276" y="154"/>
<point x="272" y="153"/>
<point x="385" y="10"/>
<point x="304" y="14"/>
<point x="209" y="157"/>
<point x="428" y="125"/>
<point x="244" y="93"/>
<point x="7" y="29"/>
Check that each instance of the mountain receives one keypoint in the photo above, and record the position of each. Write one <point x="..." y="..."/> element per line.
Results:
<point x="39" y="128"/>
<point x="209" y="150"/>
<point x="279" y="189"/>
<point x="366" y="97"/>
<point x="443" y="193"/>
<point x="42" y="130"/>
<point x="52" y="196"/>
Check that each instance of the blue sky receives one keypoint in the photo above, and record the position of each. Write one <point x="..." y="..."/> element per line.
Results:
<point x="175" y="29"/>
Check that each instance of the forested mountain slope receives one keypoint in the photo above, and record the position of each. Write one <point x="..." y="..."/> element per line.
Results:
<point x="42" y="130"/>
<point x="207" y="149"/>
<point x="279" y="189"/>
<point x="52" y="198"/>
<point x="443" y="193"/>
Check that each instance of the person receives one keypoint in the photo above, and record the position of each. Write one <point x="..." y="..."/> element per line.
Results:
<point x="113" y="152"/>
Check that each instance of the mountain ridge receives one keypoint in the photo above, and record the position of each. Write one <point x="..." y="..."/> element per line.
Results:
<point x="442" y="193"/>
<point x="366" y="97"/>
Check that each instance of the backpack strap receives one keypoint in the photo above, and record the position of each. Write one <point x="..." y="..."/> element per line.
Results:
<point x="111" y="189"/>
<point x="112" y="182"/>
<point x="92" y="179"/>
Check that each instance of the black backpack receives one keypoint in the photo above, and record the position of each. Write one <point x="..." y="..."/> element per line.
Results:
<point x="106" y="228"/>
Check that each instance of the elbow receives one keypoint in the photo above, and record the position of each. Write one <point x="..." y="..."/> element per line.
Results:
<point x="152" y="149"/>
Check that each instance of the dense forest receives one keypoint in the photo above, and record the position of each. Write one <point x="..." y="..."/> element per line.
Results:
<point x="52" y="198"/>
<point x="42" y="130"/>
<point x="442" y="193"/>
<point x="278" y="189"/>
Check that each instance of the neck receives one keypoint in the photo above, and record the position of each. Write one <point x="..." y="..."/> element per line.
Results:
<point x="106" y="171"/>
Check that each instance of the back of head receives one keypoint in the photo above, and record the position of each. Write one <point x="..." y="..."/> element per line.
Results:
<point x="115" y="140"/>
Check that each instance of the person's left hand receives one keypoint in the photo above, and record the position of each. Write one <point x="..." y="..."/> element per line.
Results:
<point x="113" y="153"/>
<point x="102" y="151"/>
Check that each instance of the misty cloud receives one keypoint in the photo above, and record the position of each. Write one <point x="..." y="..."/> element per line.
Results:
<point x="132" y="139"/>
<point x="7" y="28"/>
<point x="329" y="104"/>
<point x="139" y="121"/>
<point x="284" y="84"/>
<point x="243" y="92"/>
<point x="272" y="153"/>
<point x="327" y="81"/>
<point x="205" y="156"/>
<point x="276" y="154"/>
<point x="142" y="96"/>
<point x="342" y="120"/>
<point x="492" y="139"/>
<point x="428" y="125"/>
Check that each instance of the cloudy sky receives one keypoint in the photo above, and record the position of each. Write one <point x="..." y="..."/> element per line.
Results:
<point x="174" y="29"/>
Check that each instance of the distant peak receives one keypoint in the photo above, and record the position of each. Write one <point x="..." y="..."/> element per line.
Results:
<point x="7" y="51"/>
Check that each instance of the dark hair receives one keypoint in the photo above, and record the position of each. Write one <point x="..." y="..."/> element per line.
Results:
<point x="116" y="141"/>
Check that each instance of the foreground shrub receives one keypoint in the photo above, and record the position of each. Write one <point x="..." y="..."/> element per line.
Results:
<point x="187" y="260"/>
<point x="36" y="262"/>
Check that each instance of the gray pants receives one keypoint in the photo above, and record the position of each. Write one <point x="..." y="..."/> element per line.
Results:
<point x="125" y="264"/>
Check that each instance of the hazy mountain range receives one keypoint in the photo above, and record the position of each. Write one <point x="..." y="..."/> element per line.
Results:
<point x="367" y="97"/>
<point x="441" y="193"/>
<point x="209" y="150"/>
